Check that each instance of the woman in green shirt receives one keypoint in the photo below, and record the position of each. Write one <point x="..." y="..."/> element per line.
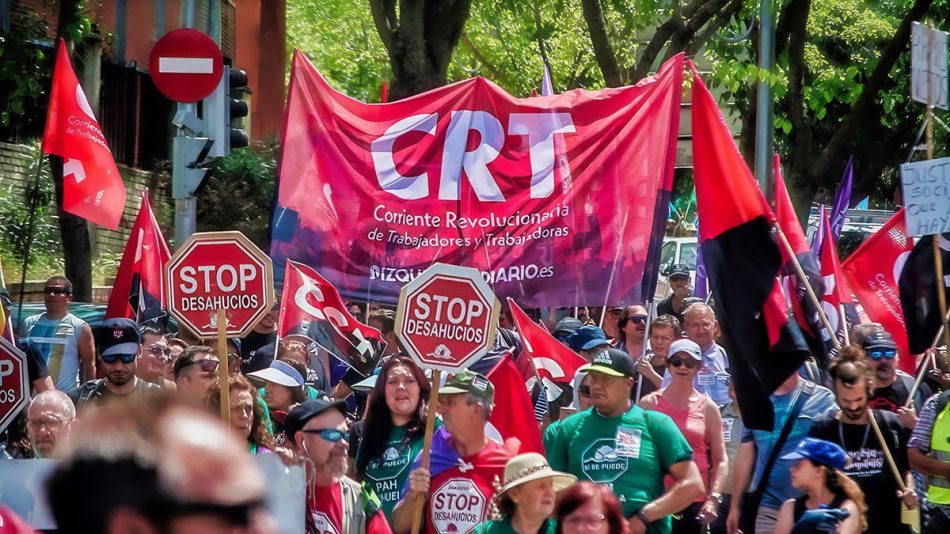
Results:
<point x="395" y="424"/>
<point x="526" y="502"/>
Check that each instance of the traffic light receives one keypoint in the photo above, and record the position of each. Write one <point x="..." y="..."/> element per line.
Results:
<point x="222" y="108"/>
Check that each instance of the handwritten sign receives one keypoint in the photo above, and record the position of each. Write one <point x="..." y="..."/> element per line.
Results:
<point x="926" y="186"/>
<point x="928" y="66"/>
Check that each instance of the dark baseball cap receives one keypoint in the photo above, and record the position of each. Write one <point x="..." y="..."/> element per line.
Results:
<point x="586" y="338"/>
<point x="820" y="452"/>
<point x="612" y="362"/>
<point x="469" y="382"/>
<point x="879" y="340"/>
<point x="306" y="411"/>
<point x="566" y="327"/>
<point x="118" y="336"/>
<point x="677" y="269"/>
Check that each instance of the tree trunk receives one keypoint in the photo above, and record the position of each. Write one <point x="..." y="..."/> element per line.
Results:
<point x="77" y="254"/>
<point x="603" y="51"/>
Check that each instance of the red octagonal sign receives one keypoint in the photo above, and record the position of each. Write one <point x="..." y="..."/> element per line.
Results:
<point x="219" y="270"/>
<point x="14" y="385"/>
<point x="447" y="317"/>
<point x="186" y="65"/>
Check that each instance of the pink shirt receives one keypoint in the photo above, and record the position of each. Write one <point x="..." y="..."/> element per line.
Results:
<point x="692" y="423"/>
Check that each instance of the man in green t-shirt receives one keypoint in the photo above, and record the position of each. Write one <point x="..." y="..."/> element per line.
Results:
<point x="617" y="443"/>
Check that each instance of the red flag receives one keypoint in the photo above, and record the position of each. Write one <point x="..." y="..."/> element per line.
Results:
<point x="513" y="415"/>
<point x="551" y="359"/>
<point x="92" y="186"/>
<point x="785" y="213"/>
<point x="836" y="291"/>
<point x="139" y="288"/>
<point x="735" y="225"/>
<point x="313" y="307"/>
<point x="872" y="272"/>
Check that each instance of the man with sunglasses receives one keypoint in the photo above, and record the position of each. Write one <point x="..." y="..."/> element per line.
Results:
<point x="65" y="341"/>
<point x="195" y="370"/>
<point x="317" y="431"/>
<point x="678" y="277"/>
<point x="120" y="345"/>
<point x="156" y="357"/>
<point x="621" y="444"/>
<point x="891" y="385"/>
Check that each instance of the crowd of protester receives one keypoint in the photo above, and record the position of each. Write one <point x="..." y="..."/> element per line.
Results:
<point x="647" y="437"/>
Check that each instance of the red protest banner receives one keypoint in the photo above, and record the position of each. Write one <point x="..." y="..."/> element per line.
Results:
<point x="551" y="198"/>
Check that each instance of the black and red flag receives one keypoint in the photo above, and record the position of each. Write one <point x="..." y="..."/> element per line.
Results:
<point x="918" y="293"/>
<point x="836" y="300"/>
<point x="797" y="297"/>
<point x="743" y="262"/>
<point x="138" y="291"/>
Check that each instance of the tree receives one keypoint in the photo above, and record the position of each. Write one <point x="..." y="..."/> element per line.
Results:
<point x="419" y="36"/>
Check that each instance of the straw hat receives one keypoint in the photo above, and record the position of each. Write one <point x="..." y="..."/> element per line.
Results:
<point x="532" y="466"/>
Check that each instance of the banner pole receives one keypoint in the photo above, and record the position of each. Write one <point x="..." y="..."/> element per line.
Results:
<point x="223" y="373"/>
<point x="419" y="504"/>
<point x="808" y="289"/>
<point x="924" y="365"/>
<point x="908" y="516"/>
<point x="613" y="271"/>
<point x="28" y="244"/>
<point x="844" y="324"/>
<point x="941" y="291"/>
<point x="643" y="349"/>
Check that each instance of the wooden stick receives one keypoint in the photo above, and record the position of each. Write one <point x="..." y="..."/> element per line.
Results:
<point x="643" y="349"/>
<point x="223" y="375"/>
<point x="941" y="288"/>
<point x="887" y="452"/>
<point x="613" y="270"/>
<point x="808" y="289"/>
<point x="926" y="364"/>
<point x="427" y="446"/>
<point x="844" y="324"/>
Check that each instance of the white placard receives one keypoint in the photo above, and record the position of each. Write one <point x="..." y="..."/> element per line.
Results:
<point x="926" y="187"/>
<point x="928" y="62"/>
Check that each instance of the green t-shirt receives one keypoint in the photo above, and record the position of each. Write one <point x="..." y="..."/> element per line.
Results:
<point x="549" y="434"/>
<point x="630" y="453"/>
<point x="387" y="473"/>
<point x="503" y="526"/>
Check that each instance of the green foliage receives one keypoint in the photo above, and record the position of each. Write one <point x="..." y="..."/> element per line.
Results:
<point x="23" y="69"/>
<point x="239" y="192"/>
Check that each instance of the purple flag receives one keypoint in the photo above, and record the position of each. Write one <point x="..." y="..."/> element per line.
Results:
<point x="819" y="232"/>
<point x="842" y="200"/>
<point x="701" y="289"/>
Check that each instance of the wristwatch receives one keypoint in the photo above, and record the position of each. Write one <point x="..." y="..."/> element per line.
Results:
<point x="643" y="517"/>
<point x="717" y="496"/>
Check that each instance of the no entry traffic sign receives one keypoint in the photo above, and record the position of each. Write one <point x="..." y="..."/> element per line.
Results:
<point x="219" y="271"/>
<point x="447" y="317"/>
<point x="14" y="384"/>
<point x="186" y="65"/>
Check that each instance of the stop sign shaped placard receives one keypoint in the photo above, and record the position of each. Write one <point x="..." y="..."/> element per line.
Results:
<point x="219" y="270"/>
<point x="447" y="317"/>
<point x="14" y="384"/>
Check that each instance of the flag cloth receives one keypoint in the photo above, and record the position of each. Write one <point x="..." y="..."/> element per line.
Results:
<point x="552" y="198"/>
<point x="839" y="210"/>
<point x="836" y="294"/>
<point x="872" y="271"/>
<point x="918" y="293"/>
<point x="513" y="415"/>
<point x="796" y="296"/>
<point x="138" y="292"/>
<point x="743" y="262"/>
<point x="92" y="186"/>
<point x="551" y="359"/>
<point x="312" y="306"/>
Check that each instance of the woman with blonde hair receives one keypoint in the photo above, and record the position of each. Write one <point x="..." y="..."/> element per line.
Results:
<point x="832" y="501"/>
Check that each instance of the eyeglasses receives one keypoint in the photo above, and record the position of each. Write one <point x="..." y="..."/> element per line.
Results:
<point x="111" y="358"/>
<point x="207" y="365"/>
<point x="328" y="434"/>
<point x="51" y="423"/>
<point x="238" y="515"/>
<point x="676" y="361"/>
<point x="638" y="319"/>
<point x="163" y="353"/>
<point x="584" y="390"/>
<point x="590" y="521"/>
<point x="55" y="291"/>
<point x="878" y="354"/>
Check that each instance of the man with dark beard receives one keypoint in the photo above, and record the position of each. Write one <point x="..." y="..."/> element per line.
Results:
<point x="891" y="385"/>
<point x="119" y="342"/>
<point x="850" y="427"/>
<point x="335" y="503"/>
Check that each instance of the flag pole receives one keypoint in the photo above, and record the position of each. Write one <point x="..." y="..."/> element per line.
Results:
<point x="908" y="516"/>
<point x="924" y="365"/>
<point x="28" y="244"/>
<point x="844" y="324"/>
<point x="643" y="349"/>
<point x="808" y="289"/>
<point x="613" y="270"/>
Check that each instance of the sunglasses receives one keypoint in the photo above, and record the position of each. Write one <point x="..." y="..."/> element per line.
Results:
<point x="676" y="361"/>
<point x="878" y="354"/>
<point x="160" y="351"/>
<point x="328" y="434"/>
<point x="584" y="390"/>
<point x="239" y="515"/>
<point x="111" y="358"/>
<point x="638" y="319"/>
<point x="55" y="291"/>
<point x="207" y="365"/>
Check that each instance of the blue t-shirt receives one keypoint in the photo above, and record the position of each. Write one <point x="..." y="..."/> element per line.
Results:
<point x="780" y="487"/>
